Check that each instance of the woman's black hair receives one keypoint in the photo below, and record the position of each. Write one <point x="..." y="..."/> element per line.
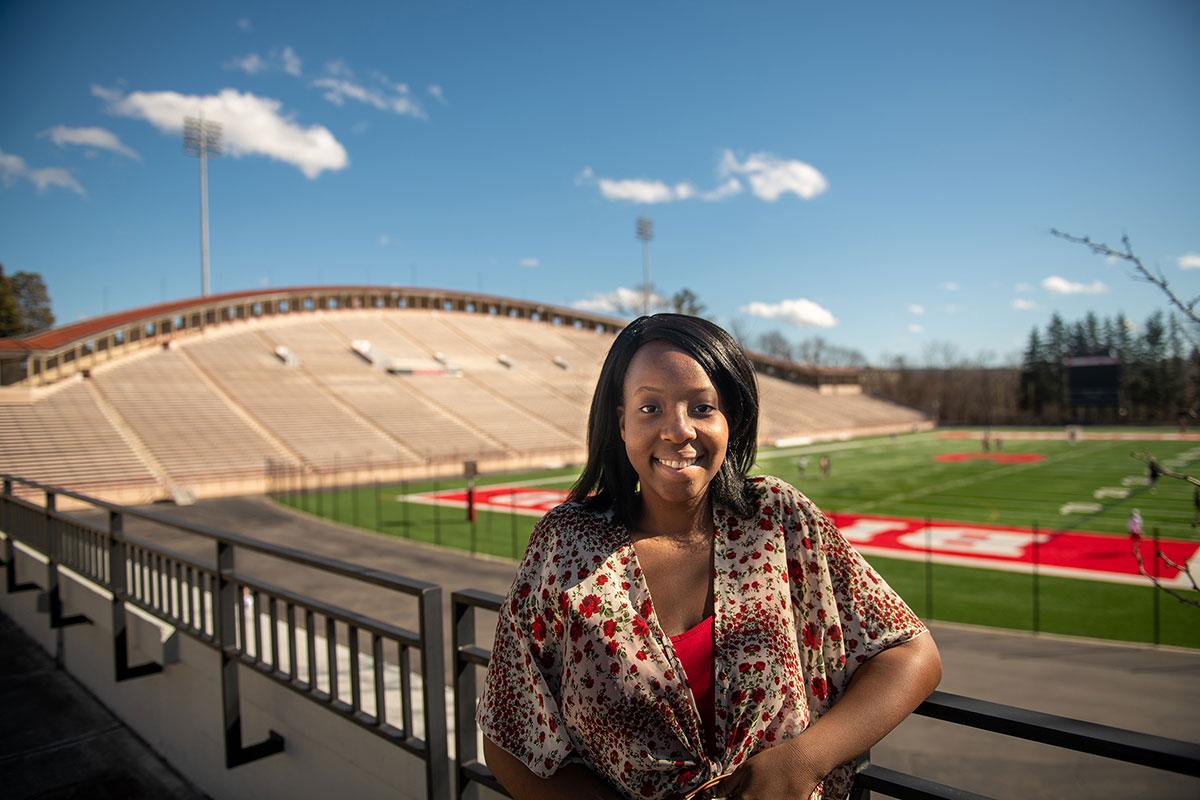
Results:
<point x="608" y="472"/>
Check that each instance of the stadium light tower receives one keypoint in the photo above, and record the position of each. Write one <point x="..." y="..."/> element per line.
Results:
<point x="645" y="232"/>
<point x="202" y="139"/>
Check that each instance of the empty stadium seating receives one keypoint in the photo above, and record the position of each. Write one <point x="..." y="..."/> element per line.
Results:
<point x="471" y="386"/>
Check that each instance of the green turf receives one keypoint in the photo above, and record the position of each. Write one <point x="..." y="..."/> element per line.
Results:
<point x="901" y="477"/>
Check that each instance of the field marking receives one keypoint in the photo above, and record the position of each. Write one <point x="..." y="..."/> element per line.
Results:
<point x="1079" y="555"/>
<point x="970" y="479"/>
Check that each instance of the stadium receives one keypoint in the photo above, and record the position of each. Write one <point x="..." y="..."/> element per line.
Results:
<point x="445" y="422"/>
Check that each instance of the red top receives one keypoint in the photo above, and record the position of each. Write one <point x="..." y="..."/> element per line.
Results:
<point x="694" y="648"/>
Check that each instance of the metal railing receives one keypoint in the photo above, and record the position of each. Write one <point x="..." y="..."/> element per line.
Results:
<point x="290" y="638"/>
<point x="1071" y="734"/>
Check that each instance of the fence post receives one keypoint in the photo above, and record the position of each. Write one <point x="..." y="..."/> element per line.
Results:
<point x="929" y="568"/>
<point x="378" y="507"/>
<point x="512" y="531"/>
<point x="1037" y="606"/>
<point x="11" y="586"/>
<point x="1157" y="590"/>
<point x="53" y="592"/>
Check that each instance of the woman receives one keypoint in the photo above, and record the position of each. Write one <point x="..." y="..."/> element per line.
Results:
<point x="762" y="615"/>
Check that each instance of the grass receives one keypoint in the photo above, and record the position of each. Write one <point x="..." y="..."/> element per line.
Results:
<point x="902" y="477"/>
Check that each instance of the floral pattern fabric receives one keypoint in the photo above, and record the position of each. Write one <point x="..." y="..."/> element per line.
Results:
<point x="582" y="671"/>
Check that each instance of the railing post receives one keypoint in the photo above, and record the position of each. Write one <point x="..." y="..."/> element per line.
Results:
<point x="118" y="585"/>
<point x="858" y="792"/>
<point x="11" y="586"/>
<point x="465" y="750"/>
<point x="433" y="689"/>
<point x="53" y="593"/>
<point x="225" y="616"/>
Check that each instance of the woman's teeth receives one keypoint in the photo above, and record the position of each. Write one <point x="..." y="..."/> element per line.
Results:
<point x="680" y="464"/>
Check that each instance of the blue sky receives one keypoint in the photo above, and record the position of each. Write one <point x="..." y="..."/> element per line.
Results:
<point x="883" y="175"/>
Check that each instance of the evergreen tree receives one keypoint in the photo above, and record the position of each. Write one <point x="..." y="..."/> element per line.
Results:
<point x="10" y="316"/>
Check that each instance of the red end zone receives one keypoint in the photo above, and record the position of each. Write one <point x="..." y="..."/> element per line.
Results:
<point x="1093" y="556"/>
<point x="998" y="458"/>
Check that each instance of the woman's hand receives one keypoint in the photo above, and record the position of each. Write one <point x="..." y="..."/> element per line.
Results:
<point x="777" y="773"/>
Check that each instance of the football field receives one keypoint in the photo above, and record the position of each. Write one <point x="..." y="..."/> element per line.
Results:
<point x="1030" y="534"/>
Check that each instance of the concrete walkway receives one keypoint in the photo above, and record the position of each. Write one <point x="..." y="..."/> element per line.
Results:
<point x="57" y="741"/>
<point x="1136" y="687"/>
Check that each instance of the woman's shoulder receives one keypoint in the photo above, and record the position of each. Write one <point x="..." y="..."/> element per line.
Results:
<point x="781" y="497"/>
<point x="570" y="531"/>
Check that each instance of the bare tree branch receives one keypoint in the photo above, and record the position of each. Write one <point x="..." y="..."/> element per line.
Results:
<point x="1141" y="272"/>
<point x="1146" y="458"/>
<point x="1137" y="553"/>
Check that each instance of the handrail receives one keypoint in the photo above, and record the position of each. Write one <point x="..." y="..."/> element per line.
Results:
<point x="1085" y="737"/>
<point x="227" y="610"/>
<point x="336" y="566"/>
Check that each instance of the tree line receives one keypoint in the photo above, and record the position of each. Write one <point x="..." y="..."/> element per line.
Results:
<point x="24" y="304"/>
<point x="1159" y="369"/>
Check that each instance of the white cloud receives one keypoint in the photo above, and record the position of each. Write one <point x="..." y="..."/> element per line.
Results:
<point x="610" y="302"/>
<point x="530" y="262"/>
<point x="640" y="190"/>
<point x="437" y="93"/>
<point x="384" y="240"/>
<point x="1022" y="304"/>
<point x="1056" y="284"/>
<point x="251" y="64"/>
<point x="341" y="84"/>
<point x="585" y="176"/>
<point x="1189" y="261"/>
<point x="951" y="286"/>
<point x="953" y="308"/>
<point x="913" y="327"/>
<point x="727" y="189"/>
<point x="98" y="138"/>
<point x="290" y="62"/>
<point x="13" y="167"/>
<point x="245" y="24"/>
<point x="338" y="90"/>
<point x="917" y="309"/>
<point x="771" y="176"/>
<point x="1023" y="287"/>
<point x="252" y="125"/>
<point x="800" y="312"/>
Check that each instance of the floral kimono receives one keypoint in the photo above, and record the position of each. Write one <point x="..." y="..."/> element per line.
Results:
<point x="581" y="670"/>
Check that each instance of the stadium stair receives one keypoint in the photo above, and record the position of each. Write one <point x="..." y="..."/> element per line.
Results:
<point x="180" y="495"/>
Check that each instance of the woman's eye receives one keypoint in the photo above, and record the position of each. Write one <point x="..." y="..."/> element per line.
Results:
<point x="704" y="408"/>
<point x="648" y="408"/>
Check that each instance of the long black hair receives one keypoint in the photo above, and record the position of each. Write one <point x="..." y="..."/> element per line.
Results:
<point x="608" y="472"/>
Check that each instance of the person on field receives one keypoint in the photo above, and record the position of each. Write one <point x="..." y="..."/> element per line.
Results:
<point x="1134" y="525"/>
<point x="826" y="464"/>
<point x="679" y="629"/>
<point x="1153" y="470"/>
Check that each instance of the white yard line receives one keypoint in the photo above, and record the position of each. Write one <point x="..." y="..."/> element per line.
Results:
<point x="967" y="481"/>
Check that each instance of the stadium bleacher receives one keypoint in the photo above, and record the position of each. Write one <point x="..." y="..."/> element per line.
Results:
<point x="208" y="407"/>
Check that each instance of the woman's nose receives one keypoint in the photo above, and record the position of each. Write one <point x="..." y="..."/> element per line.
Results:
<point x="679" y="428"/>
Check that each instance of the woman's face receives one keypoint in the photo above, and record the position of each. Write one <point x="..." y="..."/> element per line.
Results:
<point x="672" y="423"/>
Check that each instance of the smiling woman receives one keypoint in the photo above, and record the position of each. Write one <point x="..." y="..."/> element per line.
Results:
<point x="677" y="629"/>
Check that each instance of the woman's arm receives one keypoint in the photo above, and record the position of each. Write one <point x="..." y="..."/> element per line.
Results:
<point x="884" y="690"/>
<point x="570" y="782"/>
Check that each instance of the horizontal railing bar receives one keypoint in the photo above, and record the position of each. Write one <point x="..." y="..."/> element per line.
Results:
<point x="407" y="637"/>
<point x="477" y="771"/>
<point x="411" y="586"/>
<point x="473" y="654"/>
<point x="477" y="598"/>
<point x="1119" y="744"/>
<point x="895" y="784"/>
